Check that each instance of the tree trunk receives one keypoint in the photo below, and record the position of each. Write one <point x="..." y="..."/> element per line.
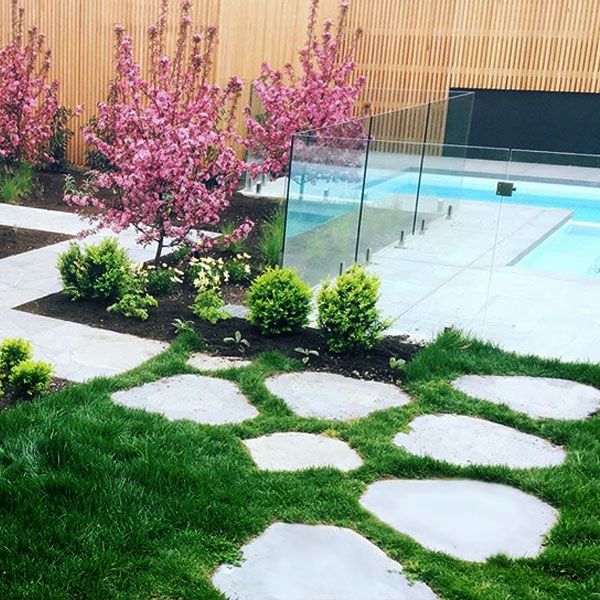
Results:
<point x="159" y="249"/>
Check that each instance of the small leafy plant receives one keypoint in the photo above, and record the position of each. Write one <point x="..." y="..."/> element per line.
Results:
<point x="30" y="378"/>
<point x="134" y="304"/>
<point x="347" y="311"/>
<point x="239" y="268"/>
<point x="207" y="273"/>
<point x="13" y="351"/>
<point x="183" y="326"/>
<point x="162" y="280"/>
<point x="397" y="363"/>
<point x="15" y="184"/>
<point x="279" y="302"/>
<point x="306" y="354"/>
<point x="208" y="306"/>
<point x="240" y="343"/>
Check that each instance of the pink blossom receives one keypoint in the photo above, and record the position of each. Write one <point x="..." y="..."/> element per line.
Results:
<point x="168" y="138"/>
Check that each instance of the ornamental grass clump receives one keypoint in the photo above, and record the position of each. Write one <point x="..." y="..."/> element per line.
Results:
<point x="347" y="311"/>
<point x="279" y="302"/>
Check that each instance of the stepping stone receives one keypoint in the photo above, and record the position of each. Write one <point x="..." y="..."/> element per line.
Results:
<point x="539" y="397"/>
<point x="470" y="520"/>
<point x="329" y="396"/>
<point x="302" y="562"/>
<point x="293" y="451"/>
<point x="209" y="362"/>
<point x="466" y="441"/>
<point x="237" y="310"/>
<point x="201" y="399"/>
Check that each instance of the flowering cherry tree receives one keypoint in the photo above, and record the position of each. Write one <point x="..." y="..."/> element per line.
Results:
<point x="323" y="94"/>
<point x="28" y="100"/>
<point x="167" y="139"/>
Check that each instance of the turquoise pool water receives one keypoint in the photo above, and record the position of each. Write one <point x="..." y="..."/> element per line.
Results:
<point x="583" y="200"/>
<point x="573" y="249"/>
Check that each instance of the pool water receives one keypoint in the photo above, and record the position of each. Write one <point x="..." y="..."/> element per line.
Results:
<point x="573" y="249"/>
<point x="583" y="200"/>
<point x="306" y="215"/>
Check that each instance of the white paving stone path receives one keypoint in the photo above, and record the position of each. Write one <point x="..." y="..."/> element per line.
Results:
<point x="538" y="397"/>
<point x="292" y="451"/>
<point x="206" y="400"/>
<point x="315" y="562"/>
<point x="465" y="441"/>
<point x="470" y="520"/>
<point x="78" y="352"/>
<point x="330" y="396"/>
<point x="210" y="362"/>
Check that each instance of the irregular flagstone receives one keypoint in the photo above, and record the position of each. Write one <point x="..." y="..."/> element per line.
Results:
<point x="330" y="396"/>
<point x="209" y="362"/>
<point x="538" y="397"/>
<point x="202" y="399"/>
<point x="470" y="520"/>
<point x="464" y="441"/>
<point x="292" y="451"/>
<point x="302" y="562"/>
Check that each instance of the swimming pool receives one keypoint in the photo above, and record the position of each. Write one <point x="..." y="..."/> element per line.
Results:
<point x="583" y="200"/>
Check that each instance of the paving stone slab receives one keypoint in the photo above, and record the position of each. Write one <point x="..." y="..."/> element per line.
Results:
<point x="316" y="562"/>
<point x="202" y="399"/>
<point x="330" y="396"/>
<point x="293" y="451"/>
<point x="465" y="441"/>
<point x="470" y="520"/>
<point x="209" y="362"/>
<point x="539" y="397"/>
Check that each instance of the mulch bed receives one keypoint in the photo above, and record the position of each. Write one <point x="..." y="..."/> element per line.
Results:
<point x="7" y="400"/>
<point x="372" y="365"/>
<point x="16" y="240"/>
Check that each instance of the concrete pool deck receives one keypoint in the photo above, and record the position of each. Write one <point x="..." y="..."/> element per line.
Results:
<point x="460" y="273"/>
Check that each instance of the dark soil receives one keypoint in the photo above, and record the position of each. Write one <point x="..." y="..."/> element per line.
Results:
<point x="16" y="240"/>
<point x="371" y="365"/>
<point x="7" y="400"/>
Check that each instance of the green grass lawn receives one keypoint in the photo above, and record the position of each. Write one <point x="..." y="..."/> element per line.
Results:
<point x="98" y="501"/>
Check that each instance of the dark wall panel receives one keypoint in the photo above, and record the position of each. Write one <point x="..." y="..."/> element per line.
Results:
<point x="552" y="121"/>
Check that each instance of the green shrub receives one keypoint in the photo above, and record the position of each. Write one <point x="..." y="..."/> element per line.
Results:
<point x="134" y="305"/>
<point x="100" y="272"/>
<point x="208" y="306"/>
<point x="30" y="378"/>
<point x="348" y="315"/>
<point x="279" y="302"/>
<point x="13" y="351"/>
<point x="238" y="267"/>
<point x="160" y="281"/>
<point x="15" y="184"/>
<point x="270" y="241"/>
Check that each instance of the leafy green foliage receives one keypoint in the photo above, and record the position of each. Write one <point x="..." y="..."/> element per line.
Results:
<point x="134" y="304"/>
<point x="279" y="302"/>
<point x="348" y="315"/>
<point x="101" y="272"/>
<point x="270" y="242"/>
<point x="160" y="280"/>
<point x="13" y="351"/>
<point x="183" y="326"/>
<point x="238" y="341"/>
<point x="30" y="378"/>
<point x="208" y="306"/>
<point x="15" y="184"/>
<point x="238" y="267"/>
<point x="306" y="354"/>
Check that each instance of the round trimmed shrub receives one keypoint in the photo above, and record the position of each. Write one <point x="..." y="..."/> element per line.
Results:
<point x="279" y="302"/>
<point x="348" y="315"/>
<point x="30" y="379"/>
<point x="12" y="352"/>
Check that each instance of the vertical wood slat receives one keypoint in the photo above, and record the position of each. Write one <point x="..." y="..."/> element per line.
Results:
<point x="427" y="46"/>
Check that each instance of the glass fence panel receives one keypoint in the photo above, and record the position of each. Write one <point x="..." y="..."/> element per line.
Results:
<point x="391" y="179"/>
<point x="439" y="277"/>
<point x="324" y="200"/>
<point x="546" y="278"/>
